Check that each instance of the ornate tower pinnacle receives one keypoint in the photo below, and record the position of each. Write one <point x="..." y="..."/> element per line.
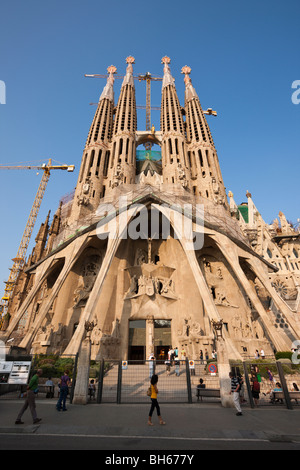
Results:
<point x="174" y="157"/>
<point x="122" y="165"/>
<point x="94" y="164"/>
<point x="202" y="155"/>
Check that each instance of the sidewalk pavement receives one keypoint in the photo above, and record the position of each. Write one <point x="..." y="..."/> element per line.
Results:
<point x="188" y="421"/>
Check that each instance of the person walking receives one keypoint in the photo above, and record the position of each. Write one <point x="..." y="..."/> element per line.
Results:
<point x="32" y="390"/>
<point x="177" y="366"/>
<point x="255" y="388"/>
<point x="235" y="391"/>
<point x="154" y="402"/>
<point x="64" y="389"/>
<point x="151" y="366"/>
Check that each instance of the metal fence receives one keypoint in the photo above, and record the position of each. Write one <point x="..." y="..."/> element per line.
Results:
<point x="128" y="381"/>
<point x="278" y="382"/>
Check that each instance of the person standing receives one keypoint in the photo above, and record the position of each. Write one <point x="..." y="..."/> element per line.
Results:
<point x="32" y="390"/>
<point x="154" y="402"/>
<point x="151" y="366"/>
<point x="177" y="366"/>
<point x="235" y="391"/>
<point x="64" y="389"/>
<point x="201" y="356"/>
<point x="255" y="389"/>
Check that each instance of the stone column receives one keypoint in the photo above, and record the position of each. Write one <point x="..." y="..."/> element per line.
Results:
<point x="83" y="368"/>
<point x="149" y="336"/>
<point x="223" y="371"/>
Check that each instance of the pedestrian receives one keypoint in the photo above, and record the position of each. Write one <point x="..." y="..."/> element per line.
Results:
<point x="262" y="353"/>
<point x="255" y="388"/>
<point x="256" y="354"/>
<point x="201" y="384"/>
<point x="151" y="366"/>
<point x="271" y="378"/>
<point x="32" y="390"/>
<point x="278" y="388"/>
<point x="177" y="366"/>
<point x="49" y="383"/>
<point x="64" y="389"/>
<point x="235" y="388"/>
<point x="242" y="389"/>
<point x="201" y="356"/>
<point x="206" y="355"/>
<point x="168" y="367"/>
<point x="92" y="389"/>
<point x="154" y="402"/>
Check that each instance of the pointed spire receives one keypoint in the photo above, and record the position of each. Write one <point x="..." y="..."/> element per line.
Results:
<point x="108" y="90"/>
<point x="190" y="91"/>
<point x="128" y="79"/>
<point x="167" y="79"/>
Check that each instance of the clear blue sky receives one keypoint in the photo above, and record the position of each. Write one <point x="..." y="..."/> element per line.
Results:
<point x="244" y="57"/>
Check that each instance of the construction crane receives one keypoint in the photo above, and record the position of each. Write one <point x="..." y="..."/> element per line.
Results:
<point x="19" y="260"/>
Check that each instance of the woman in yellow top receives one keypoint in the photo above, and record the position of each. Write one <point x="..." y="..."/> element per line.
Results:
<point x="154" y="402"/>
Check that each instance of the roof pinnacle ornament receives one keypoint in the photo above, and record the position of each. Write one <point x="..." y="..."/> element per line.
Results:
<point x="130" y="60"/>
<point x="111" y="69"/>
<point x="186" y="70"/>
<point x="168" y="79"/>
<point x="108" y="91"/>
<point x="128" y="79"/>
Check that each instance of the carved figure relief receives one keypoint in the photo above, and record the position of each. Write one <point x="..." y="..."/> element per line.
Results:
<point x="150" y="285"/>
<point x="118" y="176"/>
<point x="89" y="271"/>
<point x="181" y="176"/>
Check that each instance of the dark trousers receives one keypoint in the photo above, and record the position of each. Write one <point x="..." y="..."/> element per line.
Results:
<point x="154" y="405"/>
<point x="62" y="398"/>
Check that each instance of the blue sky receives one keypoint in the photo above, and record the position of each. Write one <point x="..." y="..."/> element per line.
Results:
<point x="244" y="58"/>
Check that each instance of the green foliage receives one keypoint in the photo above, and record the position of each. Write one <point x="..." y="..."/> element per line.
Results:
<point x="54" y="366"/>
<point x="283" y="355"/>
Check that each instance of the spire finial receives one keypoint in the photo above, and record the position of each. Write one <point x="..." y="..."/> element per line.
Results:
<point x="186" y="70"/>
<point x="165" y="60"/>
<point x="111" y="69"/>
<point x="168" y="79"/>
<point x="128" y="79"/>
<point x="130" y="60"/>
<point x="108" y="91"/>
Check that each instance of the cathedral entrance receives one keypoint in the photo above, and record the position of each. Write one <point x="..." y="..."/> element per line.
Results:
<point x="162" y="339"/>
<point x="159" y="339"/>
<point x="137" y="340"/>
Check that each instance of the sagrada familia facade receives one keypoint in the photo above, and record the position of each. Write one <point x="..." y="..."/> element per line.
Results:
<point x="107" y="257"/>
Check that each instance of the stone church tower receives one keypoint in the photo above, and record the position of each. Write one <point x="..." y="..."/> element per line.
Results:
<point x="153" y="252"/>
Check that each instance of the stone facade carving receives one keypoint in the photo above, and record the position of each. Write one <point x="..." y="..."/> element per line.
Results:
<point x="117" y="280"/>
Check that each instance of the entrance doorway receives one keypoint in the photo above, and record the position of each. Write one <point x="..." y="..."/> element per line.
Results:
<point x="137" y="340"/>
<point x="162" y="339"/>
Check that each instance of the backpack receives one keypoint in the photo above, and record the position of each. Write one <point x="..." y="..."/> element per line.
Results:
<point x="149" y="392"/>
<point x="256" y="386"/>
